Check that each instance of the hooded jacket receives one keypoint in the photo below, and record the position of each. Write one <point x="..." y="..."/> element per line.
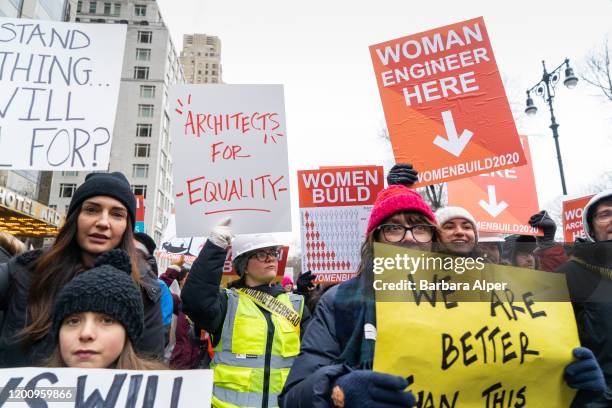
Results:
<point x="589" y="280"/>
<point x="14" y="303"/>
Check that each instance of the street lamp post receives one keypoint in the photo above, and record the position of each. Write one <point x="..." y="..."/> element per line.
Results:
<point x="546" y="89"/>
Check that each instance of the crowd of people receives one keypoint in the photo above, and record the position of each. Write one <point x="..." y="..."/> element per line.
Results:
<point x="96" y="299"/>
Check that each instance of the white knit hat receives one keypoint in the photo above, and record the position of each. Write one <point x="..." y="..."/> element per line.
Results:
<point x="587" y="213"/>
<point x="448" y="213"/>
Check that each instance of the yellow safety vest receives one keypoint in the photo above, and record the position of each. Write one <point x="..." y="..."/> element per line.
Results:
<point x="248" y="365"/>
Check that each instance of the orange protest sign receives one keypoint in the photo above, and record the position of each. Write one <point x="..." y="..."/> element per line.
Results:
<point x="572" y="218"/>
<point x="445" y="104"/>
<point x="494" y="199"/>
<point x="335" y="205"/>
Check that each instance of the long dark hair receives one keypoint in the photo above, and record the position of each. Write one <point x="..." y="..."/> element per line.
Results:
<point x="56" y="267"/>
<point x="367" y="248"/>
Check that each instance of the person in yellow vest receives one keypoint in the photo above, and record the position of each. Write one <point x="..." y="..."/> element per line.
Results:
<point x="254" y="324"/>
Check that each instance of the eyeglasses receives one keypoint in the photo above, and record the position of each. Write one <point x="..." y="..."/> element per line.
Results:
<point x="262" y="255"/>
<point x="603" y="217"/>
<point x="396" y="233"/>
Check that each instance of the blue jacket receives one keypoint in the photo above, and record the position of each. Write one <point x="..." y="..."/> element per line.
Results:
<point x="167" y="304"/>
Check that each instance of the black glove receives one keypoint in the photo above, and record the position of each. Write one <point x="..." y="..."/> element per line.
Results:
<point x="402" y="174"/>
<point x="370" y="389"/>
<point x="542" y="220"/>
<point x="305" y="282"/>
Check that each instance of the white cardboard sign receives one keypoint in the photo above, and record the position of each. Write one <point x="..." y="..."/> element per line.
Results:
<point x="78" y="387"/>
<point x="230" y="158"/>
<point x="59" y="84"/>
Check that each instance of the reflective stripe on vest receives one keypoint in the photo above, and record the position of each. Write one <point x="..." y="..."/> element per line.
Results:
<point x="239" y="358"/>
<point x="241" y="399"/>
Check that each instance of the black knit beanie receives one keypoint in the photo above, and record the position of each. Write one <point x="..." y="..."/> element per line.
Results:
<point x="147" y="241"/>
<point x="106" y="288"/>
<point x="113" y="185"/>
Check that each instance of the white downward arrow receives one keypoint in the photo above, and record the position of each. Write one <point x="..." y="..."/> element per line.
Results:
<point x="493" y="207"/>
<point x="454" y="144"/>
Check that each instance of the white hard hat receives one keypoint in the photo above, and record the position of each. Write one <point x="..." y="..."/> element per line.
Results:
<point x="250" y="242"/>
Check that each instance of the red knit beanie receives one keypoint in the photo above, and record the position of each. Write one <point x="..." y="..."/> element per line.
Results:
<point x="397" y="198"/>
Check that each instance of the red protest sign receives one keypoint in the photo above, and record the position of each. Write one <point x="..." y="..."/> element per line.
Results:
<point x="335" y="205"/>
<point x="445" y="104"/>
<point x="140" y="214"/>
<point x="572" y="218"/>
<point x="340" y="186"/>
<point x="494" y="201"/>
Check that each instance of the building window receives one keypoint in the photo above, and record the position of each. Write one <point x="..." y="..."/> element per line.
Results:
<point x="140" y="189"/>
<point x="145" y="111"/>
<point x="79" y="6"/>
<point x="70" y="173"/>
<point x="142" y="150"/>
<point x="67" y="190"/>
<point x="140" y="10"/>
<point x="117" y="9"/>
<point x="140" y="170"/>
<point x="107" y="9"/>
<point x="141" y="72"/>
<point x="143" y="54"/>
<point x="145" y="37"/>
<point x="144" y="130"/>
<point x="147" y="91"/>
<point x="67" y="207"/>
<point x="92" y="7"/>
<point x="53" y="207"/>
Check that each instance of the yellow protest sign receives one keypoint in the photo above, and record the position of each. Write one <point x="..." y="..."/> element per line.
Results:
<point x="491" y="336"/>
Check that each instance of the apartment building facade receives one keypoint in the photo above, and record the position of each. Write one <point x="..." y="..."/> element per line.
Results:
<point x="141" y="142"/>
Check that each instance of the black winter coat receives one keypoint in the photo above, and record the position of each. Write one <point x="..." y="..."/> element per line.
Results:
<point x="4" y="255"/>
<point x="315" y="370"/>
<point x="591" y="294"/>
<point x="13" y="301"/>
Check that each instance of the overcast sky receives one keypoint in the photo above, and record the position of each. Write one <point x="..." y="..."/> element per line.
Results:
<point x="319" y="51"/>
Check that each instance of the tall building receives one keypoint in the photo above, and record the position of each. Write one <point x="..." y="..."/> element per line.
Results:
<point x="201" y="59"/>
<point x="141" y="144"/>
<point x="58" y="10"/>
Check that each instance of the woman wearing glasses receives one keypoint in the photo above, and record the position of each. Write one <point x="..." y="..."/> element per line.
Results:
<point x="254" y="324"/>
<point x="335" y="364"/>
<point x="334" y="368"/>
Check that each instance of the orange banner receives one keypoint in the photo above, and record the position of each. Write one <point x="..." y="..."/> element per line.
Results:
<point x="572" y="218"/>
<point x="340" y="186"/>
<point x="445" y="104"/>
<point x="501" y="201"/>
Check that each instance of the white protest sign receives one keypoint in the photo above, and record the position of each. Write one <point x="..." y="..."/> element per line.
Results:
<point x="173" y="247"/>
<point x="78" y="387"/>
<point x="59" y="84"/>
<point x="230" y="158"/>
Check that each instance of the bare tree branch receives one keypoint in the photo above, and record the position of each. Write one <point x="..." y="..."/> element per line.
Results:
<point x="598" y="72"/>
